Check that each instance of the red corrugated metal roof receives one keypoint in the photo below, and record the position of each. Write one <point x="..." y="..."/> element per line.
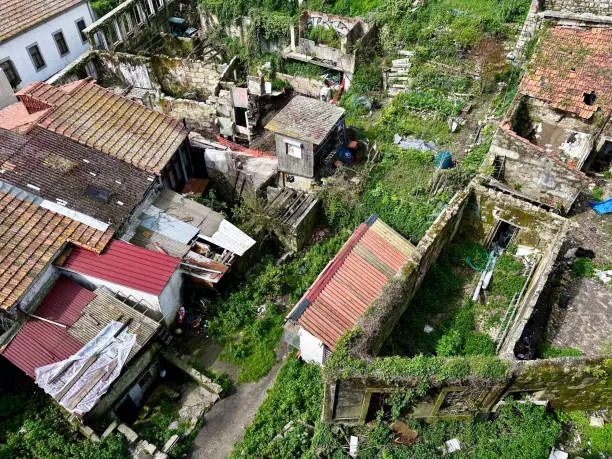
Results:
<point x="351" y="281"/>
<point x="40" y="343"/>
<point x="125" y="264"/>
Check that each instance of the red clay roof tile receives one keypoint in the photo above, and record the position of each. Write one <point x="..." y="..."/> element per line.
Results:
<point x="570" y="63"/>
<point x="30" y="236"/>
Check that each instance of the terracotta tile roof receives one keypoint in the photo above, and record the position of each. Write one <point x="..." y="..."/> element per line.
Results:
<point x="351" y="281"/>
<point x="65" y="171"/>
<point x="571" y="63"/>
<point x="30" y="237"/>
<point x="125" y="264"/>
<point x="16" y="16"/>
<point x="16" y="118"/>
<point x="306" y="119"/>
<point x="98" y="118"/>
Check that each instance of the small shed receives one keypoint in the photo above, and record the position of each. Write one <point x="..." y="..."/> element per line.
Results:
<point x="345" y="289"/>
<point x="306" y="130"/>
<point x="150" y="278"/>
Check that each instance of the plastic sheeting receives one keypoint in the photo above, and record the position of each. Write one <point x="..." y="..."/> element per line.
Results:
<point x="96" y="380"/>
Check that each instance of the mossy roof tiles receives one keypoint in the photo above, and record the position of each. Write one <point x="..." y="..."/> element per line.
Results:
<point x="30" y="237"/>
<point x="570" y="63"/>
<point x="98" y="118"/>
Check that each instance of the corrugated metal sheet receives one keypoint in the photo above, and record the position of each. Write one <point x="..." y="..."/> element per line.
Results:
<point x="161" y="222"/>
<point x="351" y="281"/>
<point x="40" y="343"/>
<point x="125" y="264"/>
<point x="148" y="239"/>
<point x="212" y="225"/>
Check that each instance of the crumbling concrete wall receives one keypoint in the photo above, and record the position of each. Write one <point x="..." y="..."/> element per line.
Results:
<point x="566" y="383"/>
<point x="598" y="7"/>
<point x="533" y="173"/>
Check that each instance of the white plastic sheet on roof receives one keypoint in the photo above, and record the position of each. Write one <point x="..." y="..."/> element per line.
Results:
<point x="111" y="350"/>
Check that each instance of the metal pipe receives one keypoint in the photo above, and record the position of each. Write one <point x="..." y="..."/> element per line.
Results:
<point x="34" y="316"/>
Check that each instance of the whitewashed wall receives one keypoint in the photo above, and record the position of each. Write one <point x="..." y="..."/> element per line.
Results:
<point x="311" y="348"/>
<point x="42" y="34"/>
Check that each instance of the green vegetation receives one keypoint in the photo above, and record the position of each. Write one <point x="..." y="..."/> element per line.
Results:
<point x="296" y="397"/>
<point x="101" y="7"/>
<point x="583" y="267"/>
<point x="249" y="336"/>
<point x="303" y="69"/>
<point x="34" y="427"/>
<point x="442" y="319"/>
<point x="320" y="34"/>
<point x="520" y="431"/>
<point x="597" y="193"/>
<point x="594" y="442"/>
<point x="400" y="199"/>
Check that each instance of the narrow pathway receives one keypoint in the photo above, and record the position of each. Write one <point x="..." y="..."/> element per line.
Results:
<point x="224" y="424"/>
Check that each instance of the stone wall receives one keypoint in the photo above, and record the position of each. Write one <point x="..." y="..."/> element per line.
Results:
<point x="199" y="116"/>
<point x="597" y="7"/>
<point x="306" y="86"/>
<point x="186" y="78"/>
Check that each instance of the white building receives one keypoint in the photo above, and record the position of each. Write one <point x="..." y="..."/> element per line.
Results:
<point x="38" y="38"/>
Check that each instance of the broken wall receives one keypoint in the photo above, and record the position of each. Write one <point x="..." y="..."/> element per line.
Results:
<point x="199" y="116"/>
<point x="303" y="85"/>
<point x="527" y="169"/>
<point x="565" y="383"/>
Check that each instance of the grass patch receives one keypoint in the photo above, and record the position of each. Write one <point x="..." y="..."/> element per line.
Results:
<point x="296" y="396"/>
<point x="594" y="442"/>
<point x="583" y="267"/>
<point x="250" y="337"/>
<point x="32" y="426"/>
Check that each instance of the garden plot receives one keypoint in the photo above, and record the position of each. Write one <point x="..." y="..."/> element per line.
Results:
<point x="445" y="319"/>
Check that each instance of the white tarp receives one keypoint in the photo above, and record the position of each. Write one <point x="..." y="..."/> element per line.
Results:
<point x="96" y="379"/>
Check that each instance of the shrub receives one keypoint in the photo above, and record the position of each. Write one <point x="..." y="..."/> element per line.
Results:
<point x="583" y="267"/>
<point x="479" y="344"/>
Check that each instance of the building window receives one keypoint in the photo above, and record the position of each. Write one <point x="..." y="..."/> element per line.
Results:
<point x="150" y="9"/>
<point x="37" y="59"/>
<point x="140" y="14"/>
<point x="11" y="72"/>
<point x="60" y="41"/>
<point x="293" y="149"/>
<point x="82" y="26"/>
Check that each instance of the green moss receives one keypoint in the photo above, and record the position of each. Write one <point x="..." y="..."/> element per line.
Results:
<point x="583" y="267"/>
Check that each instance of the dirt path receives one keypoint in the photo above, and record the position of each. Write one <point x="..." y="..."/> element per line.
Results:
<point x="224" y="424"/>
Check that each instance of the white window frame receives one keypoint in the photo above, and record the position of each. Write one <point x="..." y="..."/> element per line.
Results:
<point x="293" y="148"/>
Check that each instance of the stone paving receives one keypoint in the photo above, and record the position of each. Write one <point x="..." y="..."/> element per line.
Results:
<point x="587" y="324"/>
